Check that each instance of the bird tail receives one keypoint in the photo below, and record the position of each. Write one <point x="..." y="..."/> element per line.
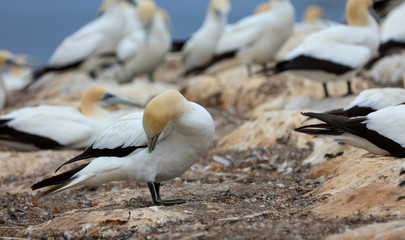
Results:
<point x="59" y="182"/>
<point x="319" y="129"/>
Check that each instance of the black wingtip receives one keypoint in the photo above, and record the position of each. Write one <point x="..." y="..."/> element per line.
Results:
<point x="402" y="183"/>
<point x="58" y="179"/>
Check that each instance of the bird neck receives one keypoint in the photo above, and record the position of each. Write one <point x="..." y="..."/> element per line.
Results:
<point x="213" y="21"/>
<point x="91" y="109"/>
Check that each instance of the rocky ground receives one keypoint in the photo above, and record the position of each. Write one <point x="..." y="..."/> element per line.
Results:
<point x="259" y="179"/>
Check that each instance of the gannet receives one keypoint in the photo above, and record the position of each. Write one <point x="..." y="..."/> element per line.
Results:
<point x="95" y="39"/>
<point x="154" y="146"/>
<point x="18" y="76"/>
<point x="262" y="7"/>
<point x="257" y="38"/>
<point x="53" y="127"/>
<point x="200" y="48"/>
<point x="7" y="61"/>
<point x="142" y="51"/>
<point x="338" y="52"/>
<point x="371" y="100"/>
<point x="379" y="132"/>
<point x="389" y="66"/>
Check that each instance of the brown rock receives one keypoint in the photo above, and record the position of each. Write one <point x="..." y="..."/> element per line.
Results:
<point x="381" y="231"/>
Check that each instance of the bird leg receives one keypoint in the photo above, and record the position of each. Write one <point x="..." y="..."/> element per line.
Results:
<point x="325" y="88"/>
<point x="150" y="77"/>
<point x="349" y="88"/>
<point x="249" y="70"/>
<point x="154" y="189"/>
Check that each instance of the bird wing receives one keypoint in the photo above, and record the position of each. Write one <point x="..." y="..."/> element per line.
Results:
<point x="333" y="50"/>
<point x="130" y="45"/>
<point x="240" y="34"/>
<point x="64" y="125"/>
<point x="79" y="45"/>
<point x="380" y="127"/>
<point x="119" y="139"/>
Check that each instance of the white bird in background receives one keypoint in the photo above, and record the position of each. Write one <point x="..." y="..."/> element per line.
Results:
<point x="380" y="132"/>
<point x="95" y="39"/>
<point x="262" y="7"/>
<point x="371" y="100"/>
<point x="388" y="67"/>
<point x="257" y="38"/>
<point x="336" y="53"/>
<point x="18" y="76"/>
<point x="142" y="51"/>
<point x="53" y="127"/>
<point x="200" y="48"/>
<point x="314" y="19"/>
<point x="158" y="145"/>
<point x="7" y="61"/>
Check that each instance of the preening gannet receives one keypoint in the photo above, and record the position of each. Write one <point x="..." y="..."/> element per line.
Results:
<point x="200" y="48"/>
<point x="388" y="67"/>
<point x="257" y="38"/>
<point x="371" y="100"/>
<point x="142" y="51"/>
<point x="158" y="145"/>
<point x="95" y="39"/>
<point x="338" y="52"/>
<point x="53" y="127"/>
<point x="380" y="132"/>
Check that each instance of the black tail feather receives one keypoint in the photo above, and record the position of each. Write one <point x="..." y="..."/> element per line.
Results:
<point x="59" y="179"/>
<point x="91" y="152"/>
<point x="319" y="129"/>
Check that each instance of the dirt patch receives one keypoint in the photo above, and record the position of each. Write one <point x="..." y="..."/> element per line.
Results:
<point x="262" y="193"/>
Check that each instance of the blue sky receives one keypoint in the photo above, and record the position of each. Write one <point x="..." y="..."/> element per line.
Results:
<point x="37" y="27"/>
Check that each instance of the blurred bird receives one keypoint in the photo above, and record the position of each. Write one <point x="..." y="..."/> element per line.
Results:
<point x="388" y="67"/>
<point x="158" y="145"/>
<point x="200" y="48"/>
<point x="7" y="61"/>
<point x="255" y="39"/>
<point x="371" y="100"/>
<point x="18" y="76"/>
<point x="55" y="127"/>
<point x="379" y="132"/>
<point x="262" y="7"/>
<point x="142" y="51"/>
<point x="96" y="39"/>
<point x="336" y="53"/>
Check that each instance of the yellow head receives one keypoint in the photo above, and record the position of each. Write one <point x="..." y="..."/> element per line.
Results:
<point x="312" y="14"/>
<point x="262" y="7"/>
<point x="4" y="57"/>
<point x="357" y="12"/>
<point x="146" y="9"/>
<point x="220" y="6"/>
<point x="90" y="97"/>
<point x="161" y="109"/>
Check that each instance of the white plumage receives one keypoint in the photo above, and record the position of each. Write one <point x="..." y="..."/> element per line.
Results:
<point x="338" y="52"/>
<point x="47" y="127"/>
<point x="257" y="38"/>
<point x="95" y="39"/>
<point x="389" y="67"/>
<point x="142" y="51"/>
<point x="200" y="48"/>
<point x="379" y="132"/>
<point x="371" y="100"/>
<point x="164" y="142"/>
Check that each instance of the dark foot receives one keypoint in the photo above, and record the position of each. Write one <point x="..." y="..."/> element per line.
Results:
<point x="170" y="202"/>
